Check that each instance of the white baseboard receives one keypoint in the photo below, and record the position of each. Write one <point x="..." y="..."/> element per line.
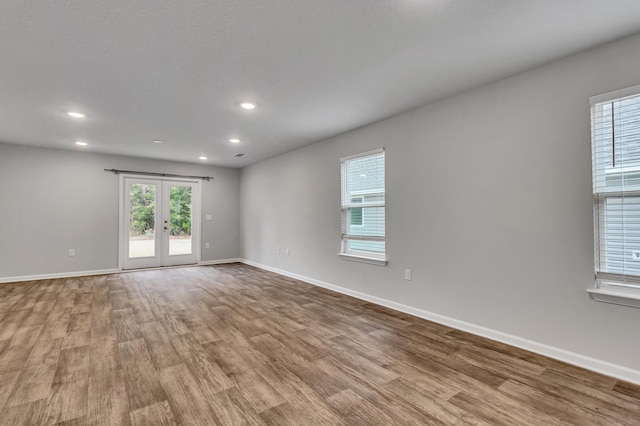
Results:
<point x="603" y="367"/>
<point x="57" y="275"/>
<point x="23" y="278"/>
<point x="219" y="262"/>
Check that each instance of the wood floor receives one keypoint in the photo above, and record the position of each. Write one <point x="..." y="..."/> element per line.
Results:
<point x="236" y="345"/>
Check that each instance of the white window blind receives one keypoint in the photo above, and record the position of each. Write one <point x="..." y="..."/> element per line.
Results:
<point x="363" y="205"/>
<point x="615" y="130"/>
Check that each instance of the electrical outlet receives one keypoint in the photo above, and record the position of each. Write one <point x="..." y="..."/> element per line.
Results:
<point x="207" y="217"/>
<point x="407" y="274"/>
<point x="286" y="252"/>
<point x="72" y="252"/>
<point x="635" y="255"/>
<point x="207" y="245"/>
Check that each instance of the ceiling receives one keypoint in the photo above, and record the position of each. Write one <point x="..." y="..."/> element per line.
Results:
<point x="178" y="70"/>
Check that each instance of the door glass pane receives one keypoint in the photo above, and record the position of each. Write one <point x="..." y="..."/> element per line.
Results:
<point x="142" y="218"/>
<point x="179" y="220"/>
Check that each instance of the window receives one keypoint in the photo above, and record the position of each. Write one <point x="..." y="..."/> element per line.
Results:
<point x="363" y="207"/>
<point x="615" y="139"/>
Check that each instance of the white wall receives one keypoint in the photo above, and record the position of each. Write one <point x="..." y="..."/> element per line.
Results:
<point x="488" y="202"/>
<point x="52" y="200"/>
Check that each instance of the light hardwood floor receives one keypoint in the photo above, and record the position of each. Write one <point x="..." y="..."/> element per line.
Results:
<point x="236" y="345"/>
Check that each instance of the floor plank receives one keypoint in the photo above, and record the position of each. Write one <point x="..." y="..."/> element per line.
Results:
<point x="156" y="414"/>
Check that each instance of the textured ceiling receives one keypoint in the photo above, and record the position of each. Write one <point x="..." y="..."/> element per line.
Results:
<point x="177" y="70"/>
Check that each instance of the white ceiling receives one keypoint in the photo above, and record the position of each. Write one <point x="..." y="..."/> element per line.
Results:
<point x="178" y="70"/>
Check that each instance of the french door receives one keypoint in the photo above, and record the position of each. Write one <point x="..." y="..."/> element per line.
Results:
<point x="160" y="222"/>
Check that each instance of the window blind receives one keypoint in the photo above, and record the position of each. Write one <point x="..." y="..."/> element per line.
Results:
<point x="615" y="130"/>
<point x="363" y="204"/>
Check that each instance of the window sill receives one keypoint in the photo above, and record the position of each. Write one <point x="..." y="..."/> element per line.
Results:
<point x="616" y="297"/>
<point x="363" y="259"/>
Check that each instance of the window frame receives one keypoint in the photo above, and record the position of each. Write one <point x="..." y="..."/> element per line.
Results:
<point x="357" y="255"/>
<point x="610" y="287"/>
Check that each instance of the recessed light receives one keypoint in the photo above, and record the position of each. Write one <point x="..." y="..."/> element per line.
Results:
<point x="202" y="157"/>
<point x="247" y="105"/>
<point x="76" y="114"/>
<point x="80" y="143"/>
<point x="234" y="140"/>
<point x="156" y="141"/>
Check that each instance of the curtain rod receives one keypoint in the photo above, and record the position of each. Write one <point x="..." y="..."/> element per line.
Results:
<point x="117" y="172"/>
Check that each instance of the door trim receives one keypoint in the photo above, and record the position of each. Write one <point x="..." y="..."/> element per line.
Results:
<point x="196" y="224"/>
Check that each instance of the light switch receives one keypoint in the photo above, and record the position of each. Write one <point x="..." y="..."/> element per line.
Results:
<point x="207" y="217"/>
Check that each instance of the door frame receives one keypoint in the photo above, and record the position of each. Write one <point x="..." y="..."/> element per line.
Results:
<point x="122" y="226"/>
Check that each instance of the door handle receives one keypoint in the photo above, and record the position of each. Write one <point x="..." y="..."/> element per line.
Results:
<point x="165" y="228"/>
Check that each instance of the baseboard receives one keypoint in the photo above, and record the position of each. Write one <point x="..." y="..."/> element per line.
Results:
<point x="593" y="364"/>
<point x="219" y="262"/>
<point x="96" y="272"/>
<point x="23" y="278"/>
